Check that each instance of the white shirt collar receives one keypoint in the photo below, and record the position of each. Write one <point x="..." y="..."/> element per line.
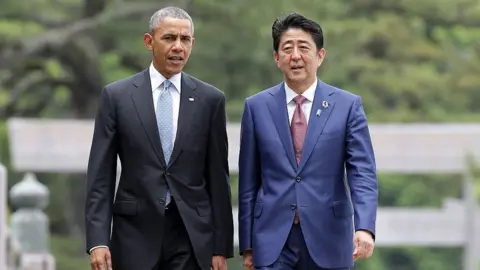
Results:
<point x="157" y="79"/>
<point x="309" y="94"/>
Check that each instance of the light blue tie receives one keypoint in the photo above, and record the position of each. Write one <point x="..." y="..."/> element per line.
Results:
<point x="164" y="115"/>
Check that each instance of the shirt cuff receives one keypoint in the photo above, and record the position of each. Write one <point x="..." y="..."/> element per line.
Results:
<point x="97" y="247"/>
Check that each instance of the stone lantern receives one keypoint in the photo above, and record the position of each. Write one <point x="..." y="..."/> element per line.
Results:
<point x="30" y="225"/>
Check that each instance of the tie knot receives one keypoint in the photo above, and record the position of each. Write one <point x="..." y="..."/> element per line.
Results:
<point x="299" y="99"/>
<point x="166" y="84"/>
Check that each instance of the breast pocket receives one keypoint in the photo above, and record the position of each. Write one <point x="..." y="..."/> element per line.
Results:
<point x="332" y="135"/>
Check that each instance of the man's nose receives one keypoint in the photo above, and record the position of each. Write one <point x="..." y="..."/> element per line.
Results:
<point x="296" y="54"/>
<point x="177" y="46"/>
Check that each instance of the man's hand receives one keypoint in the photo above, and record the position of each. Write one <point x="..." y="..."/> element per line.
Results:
<point x="364" y="245"/>
<point x="248" y="260"/>
<point x="98" y="258"/>
<point x="219" y="263"/>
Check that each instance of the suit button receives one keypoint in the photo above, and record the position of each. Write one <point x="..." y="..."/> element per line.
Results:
<point x="298" y="179"/>
<point x="167" y="173"/>
<point x="294" y="206"/>
<point x="162" y="201"/>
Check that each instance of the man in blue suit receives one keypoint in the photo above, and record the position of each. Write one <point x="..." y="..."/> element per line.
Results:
<point x="308" y="185"/>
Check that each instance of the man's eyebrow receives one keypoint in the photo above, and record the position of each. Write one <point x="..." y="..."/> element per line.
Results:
<point x="176" y="35"/>
<point x="287" y="42"/>
<point x="304" y="42"/>
<point x="301" y="41"/>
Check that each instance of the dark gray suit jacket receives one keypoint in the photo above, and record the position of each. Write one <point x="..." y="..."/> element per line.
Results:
<point x="197" y="175"/>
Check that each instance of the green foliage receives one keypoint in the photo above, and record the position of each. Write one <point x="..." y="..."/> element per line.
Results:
<point x="412" y="259"/>
<point x="408" y="60"/>
<point x="476" y="176"/>
<point x="418" y="190"/>
<point x="111" y="67"/>
<point x="67" y="252"/>
<point x="15" y="29"/>
<point x="234" y="188"/>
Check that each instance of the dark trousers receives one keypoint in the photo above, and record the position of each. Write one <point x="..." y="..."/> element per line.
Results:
<point x="294" y="255"/>
<point x="177" y="252"/>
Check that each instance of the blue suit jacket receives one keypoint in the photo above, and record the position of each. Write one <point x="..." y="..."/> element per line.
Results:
<point x="272" y="186"/>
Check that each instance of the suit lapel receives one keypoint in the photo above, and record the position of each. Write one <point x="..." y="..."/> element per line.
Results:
<point x="322" y="104"/>
<point x="143" y="100"/>
<point x="277" y="106"/>
<point x="188" y="107"/>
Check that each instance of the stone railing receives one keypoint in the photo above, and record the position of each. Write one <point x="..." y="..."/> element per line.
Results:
<point x="26" y="240"/>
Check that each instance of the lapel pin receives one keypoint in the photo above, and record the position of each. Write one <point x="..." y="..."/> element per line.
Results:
<point x="191" y="99"/>
<point x="325" y="104"/>
<point x="318" y="112"/>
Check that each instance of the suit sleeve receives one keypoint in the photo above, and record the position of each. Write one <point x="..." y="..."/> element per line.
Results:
<point x="249" y="179"/>
<point x="101" y="175"/>
<point x="361" y="170"/>
<point x="217" y="177"/>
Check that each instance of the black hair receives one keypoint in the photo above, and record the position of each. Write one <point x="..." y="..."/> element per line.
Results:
<point x="298" y="21"/>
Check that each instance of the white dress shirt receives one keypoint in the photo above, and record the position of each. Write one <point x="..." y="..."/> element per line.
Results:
<point x="156" y="80"/>
<point x="309" y="94"/>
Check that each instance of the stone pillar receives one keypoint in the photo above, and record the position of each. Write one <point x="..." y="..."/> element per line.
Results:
<point x="3" y="217"/>
<point x="30" y="225"/>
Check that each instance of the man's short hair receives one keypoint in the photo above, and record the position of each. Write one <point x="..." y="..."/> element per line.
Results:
<point x="168" y="12"/>
<point x="296" y="21"/>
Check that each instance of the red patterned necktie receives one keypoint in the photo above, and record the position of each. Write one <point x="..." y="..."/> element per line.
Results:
<point x="298" y="128"/>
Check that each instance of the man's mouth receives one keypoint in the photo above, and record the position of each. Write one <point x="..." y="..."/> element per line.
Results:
<point x="175" y="58"/>
<point x="297" y="68"/>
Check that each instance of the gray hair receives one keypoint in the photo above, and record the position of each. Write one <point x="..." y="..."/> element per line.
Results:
<point x="170" y="12"/>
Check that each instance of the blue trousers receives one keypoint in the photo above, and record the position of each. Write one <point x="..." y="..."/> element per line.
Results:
<point x="294" y="255"/>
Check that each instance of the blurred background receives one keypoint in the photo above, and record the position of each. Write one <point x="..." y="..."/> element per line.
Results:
<point x="416" y="65"/>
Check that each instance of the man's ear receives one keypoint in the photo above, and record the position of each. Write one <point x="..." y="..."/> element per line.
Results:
<point x="321" y="56"/>
<point x="148" y="40"/>
<point x="276" y="58"/>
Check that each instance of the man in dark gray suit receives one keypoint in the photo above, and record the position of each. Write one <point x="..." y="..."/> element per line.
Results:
<point x="172" y="209"/>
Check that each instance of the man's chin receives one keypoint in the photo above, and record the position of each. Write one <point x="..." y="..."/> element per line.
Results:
<point x="297" y="77"/>
<point x="175" y="70"/>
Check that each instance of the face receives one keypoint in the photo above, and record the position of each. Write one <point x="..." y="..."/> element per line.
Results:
<point x="298" y="57"/>
<point x="171" y="44"/>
